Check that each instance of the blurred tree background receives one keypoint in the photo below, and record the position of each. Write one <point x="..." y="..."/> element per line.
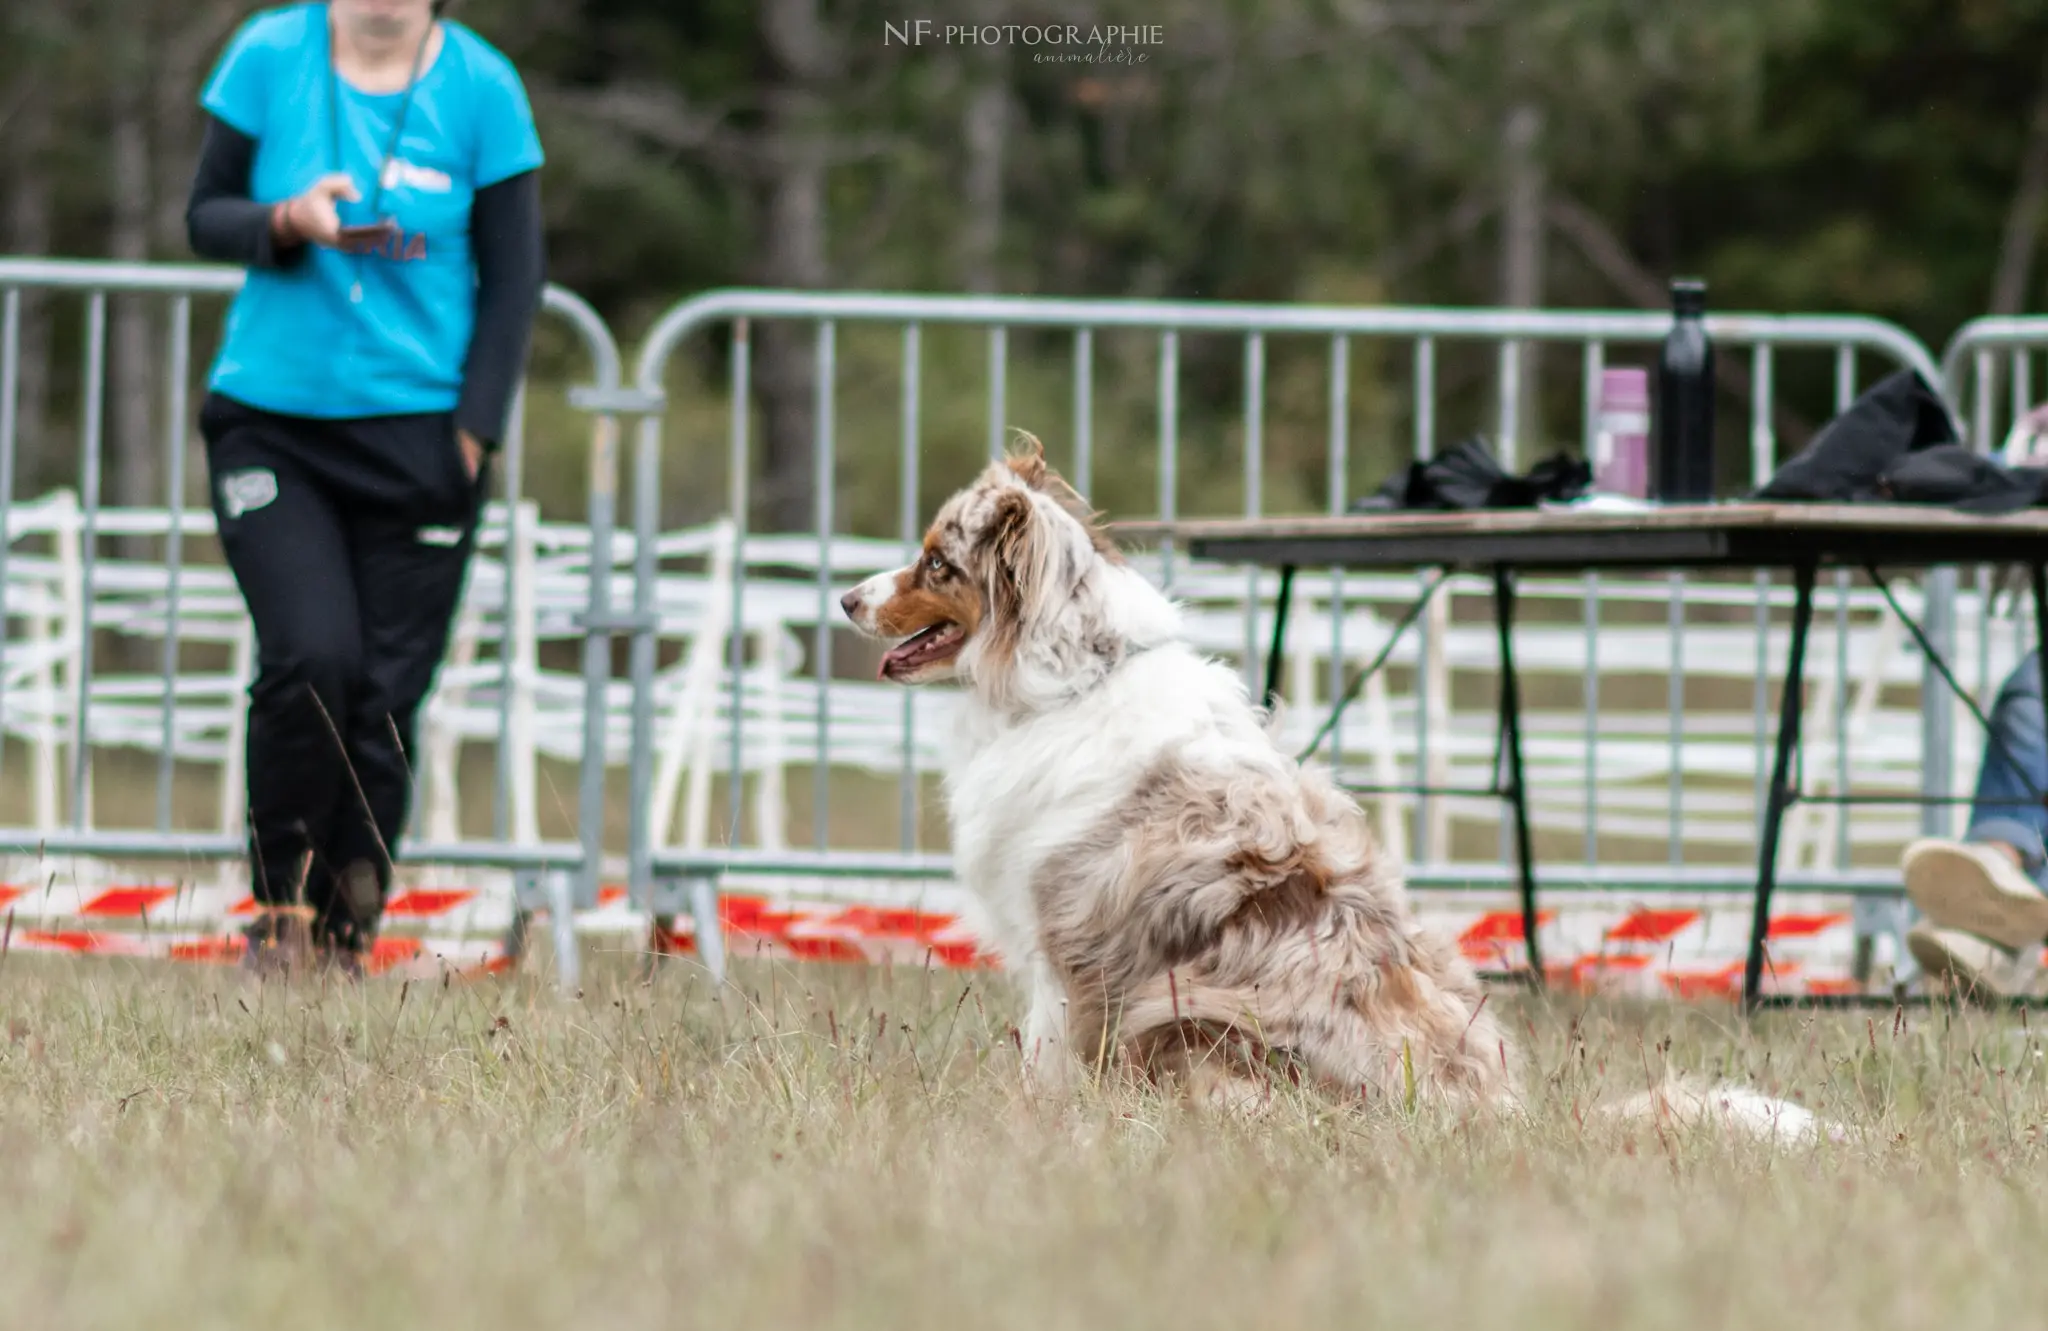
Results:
<point x="1888" y="158"/>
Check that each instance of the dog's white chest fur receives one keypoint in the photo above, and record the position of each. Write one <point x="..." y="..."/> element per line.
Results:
<point x="1018" y="793"/>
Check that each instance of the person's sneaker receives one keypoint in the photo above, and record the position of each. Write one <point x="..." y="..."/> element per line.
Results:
<point x="347" y="928"/>
<point x="278" y="942"/>
<point x="360" y="895"/>
<point x="1975" y="965"/>
<point x="1976" y="889"/>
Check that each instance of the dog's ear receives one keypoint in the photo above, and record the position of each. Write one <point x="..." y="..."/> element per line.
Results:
<point x="1013" y="555"/>
<point x="1013" y="560"/>
<point x="1027" y="463"/>
<point x="1029" y="466"/>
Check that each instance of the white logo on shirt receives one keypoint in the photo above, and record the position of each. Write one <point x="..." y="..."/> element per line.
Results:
<point x="426" y="179"/>
<point x="444" y="536"/>
<point x="246" y="491"/>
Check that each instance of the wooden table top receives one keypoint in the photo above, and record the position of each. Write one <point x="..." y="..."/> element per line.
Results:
<point x="1687" y="535"/>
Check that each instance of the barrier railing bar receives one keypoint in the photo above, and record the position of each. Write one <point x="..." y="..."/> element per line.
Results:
<point x="823" y="483"/>
<point x="10" y="390"/>
<point x="640" y="655"/>
<point x="907" y="520"/>
<point x="998" y="389"/>
<point x="1675" y="699"/>
<point x="1845" y="395"/>
<point x="180" y="333"/>
<point x="1337" y="481"/>
<point x="92" y="432"/>
<point x="1423" y="372"/>
<point x="1508" y="371"/>
<point x="738" y="499"/>
<point x="1593" y="361"/>
<point x="1084" y="411"/>
<point x="1169" y="445"/>
<point x="1254" y="473"/>
<point x="513" y="466"/>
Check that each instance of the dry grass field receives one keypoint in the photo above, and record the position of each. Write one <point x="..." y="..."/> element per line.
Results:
<point x="832" y="1147"/>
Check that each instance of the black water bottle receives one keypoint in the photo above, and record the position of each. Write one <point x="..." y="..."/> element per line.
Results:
<point x="1685" y="401"/>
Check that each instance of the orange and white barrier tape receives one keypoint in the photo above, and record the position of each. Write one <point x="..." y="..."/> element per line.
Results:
<point x="1592" y="941"/>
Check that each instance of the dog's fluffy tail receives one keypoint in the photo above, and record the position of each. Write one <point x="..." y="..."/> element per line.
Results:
<point x="1742" y="1110"/>
<point x="1429" y="1047"/>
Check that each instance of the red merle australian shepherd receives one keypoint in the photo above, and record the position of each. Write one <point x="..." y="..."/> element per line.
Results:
<point x="1178" y="894"/>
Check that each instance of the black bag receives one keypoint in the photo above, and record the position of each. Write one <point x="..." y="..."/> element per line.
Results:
<point x="1465" y="476"/>
<point x="1897" y="445"/>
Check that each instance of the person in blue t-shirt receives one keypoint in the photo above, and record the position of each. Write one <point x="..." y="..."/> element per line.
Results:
<point x="374" y="167"/>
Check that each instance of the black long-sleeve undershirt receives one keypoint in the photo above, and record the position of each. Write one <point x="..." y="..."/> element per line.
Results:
<point x="224" y="224"/>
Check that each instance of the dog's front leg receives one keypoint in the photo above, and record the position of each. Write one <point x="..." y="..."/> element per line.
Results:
<point x="1048" y="1060"/>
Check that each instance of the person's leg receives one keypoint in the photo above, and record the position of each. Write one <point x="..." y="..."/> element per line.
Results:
<point x="2009" y="810"/>
<point x="1986" y="888"/>
<point x="287" y="546"/>
<point x="408" y="569"/>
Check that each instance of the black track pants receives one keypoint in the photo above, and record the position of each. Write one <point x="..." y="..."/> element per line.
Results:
<point x="349" y="541"/>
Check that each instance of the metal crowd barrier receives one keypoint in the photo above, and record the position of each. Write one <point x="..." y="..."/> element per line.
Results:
<point x="669" y="878"/>
<point x="1977" y="356"/>
<point x="737" y="314"/>
<point x="544" y="866"/>
<point x="1973" y="362"/>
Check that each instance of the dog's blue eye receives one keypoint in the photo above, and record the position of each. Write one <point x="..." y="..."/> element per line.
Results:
<point x="936" y="563"/>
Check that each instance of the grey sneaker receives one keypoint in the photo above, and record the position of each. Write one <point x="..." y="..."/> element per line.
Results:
<point x="1979" y="890"/>
<point x="1977" y="966"/>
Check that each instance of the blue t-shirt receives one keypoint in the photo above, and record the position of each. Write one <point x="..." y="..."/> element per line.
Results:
<point x="339" y="335"/>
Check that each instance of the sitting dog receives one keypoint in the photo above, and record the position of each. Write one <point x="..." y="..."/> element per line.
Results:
<point x="1178" y="893"/>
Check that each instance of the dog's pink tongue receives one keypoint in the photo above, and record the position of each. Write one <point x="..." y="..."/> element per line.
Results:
<point x="898" y="655"/>
<point x="910" y="651"/>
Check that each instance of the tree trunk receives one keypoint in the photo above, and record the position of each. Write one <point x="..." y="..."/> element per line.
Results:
<point x="2022" y="232"/>
<point x="29" y="232"/>
<point x="176" y="123"/>
<point x="131" y="467"/>
<point x="1521" y="268"/>
<point x="791" y="254"/>
<point x="984" y="131"/>
<point x="177" y="74"/>
<point x="131" y="463"/>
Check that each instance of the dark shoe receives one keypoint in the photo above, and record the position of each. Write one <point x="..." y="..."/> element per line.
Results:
<point x="348" y="927"/>
<point x="279" y="942"/>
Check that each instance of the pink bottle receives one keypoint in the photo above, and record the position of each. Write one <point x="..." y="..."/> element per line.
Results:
<point x="1621" y="434"/>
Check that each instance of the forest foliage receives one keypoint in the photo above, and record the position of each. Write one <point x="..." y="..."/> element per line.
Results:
<point x="1801" y="155"/>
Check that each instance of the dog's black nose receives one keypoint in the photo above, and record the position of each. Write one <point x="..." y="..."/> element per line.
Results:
<point x="850" y="603"/>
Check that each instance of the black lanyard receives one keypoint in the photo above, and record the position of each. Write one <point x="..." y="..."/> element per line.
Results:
<point x="398" y="126"/>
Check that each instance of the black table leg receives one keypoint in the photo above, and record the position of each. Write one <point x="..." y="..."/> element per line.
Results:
<point x="1791" y="713"/>
<point x="1517" y="791"/>
<point x="1275" y="656"/>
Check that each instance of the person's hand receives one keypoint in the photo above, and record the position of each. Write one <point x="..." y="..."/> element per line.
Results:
<point x="312" y="216"/>
<point x="472" y="452"/>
